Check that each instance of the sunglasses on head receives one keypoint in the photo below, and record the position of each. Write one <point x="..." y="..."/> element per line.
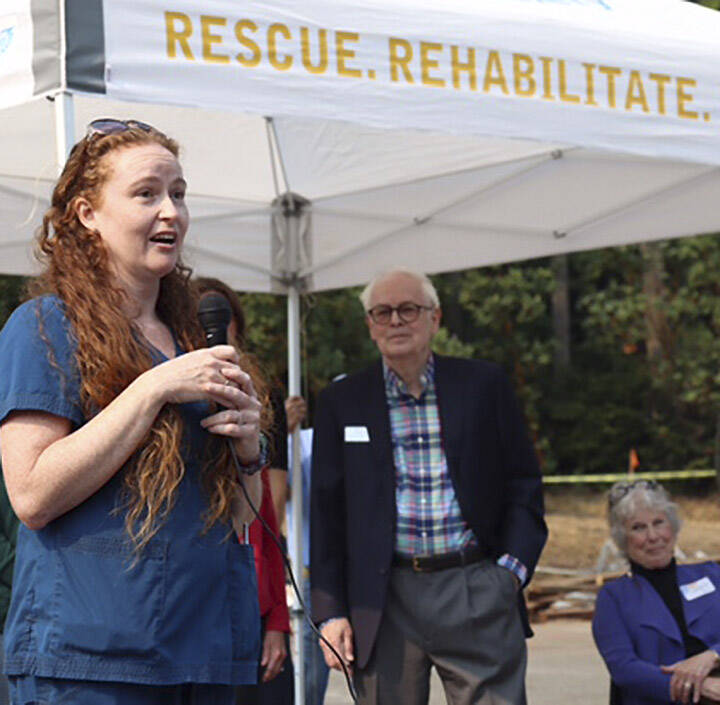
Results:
<point x="113" y="126"/>
<point x="620" y="489"/>
<point x="103" y="127"/>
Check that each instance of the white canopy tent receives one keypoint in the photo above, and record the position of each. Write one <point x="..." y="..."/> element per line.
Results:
<point x="326" y="139"/>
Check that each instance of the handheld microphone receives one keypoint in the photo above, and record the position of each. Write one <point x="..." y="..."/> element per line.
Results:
<point x="215" y="315"/>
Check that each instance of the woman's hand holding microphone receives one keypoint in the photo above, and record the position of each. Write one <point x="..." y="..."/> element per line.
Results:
<point x="213" y="374"/>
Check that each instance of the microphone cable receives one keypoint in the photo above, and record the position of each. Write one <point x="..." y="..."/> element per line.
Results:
<point x="291" y="575"/>
<point x="215" y="314"/>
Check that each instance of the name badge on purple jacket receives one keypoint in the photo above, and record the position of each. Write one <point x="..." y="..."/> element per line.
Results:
<point x="698" y="588"/>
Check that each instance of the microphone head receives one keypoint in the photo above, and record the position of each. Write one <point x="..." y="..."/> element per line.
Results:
<point x="215" y="315"/>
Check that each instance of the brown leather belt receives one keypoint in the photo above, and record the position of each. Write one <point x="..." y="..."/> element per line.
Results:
<point x="441" y="561"/>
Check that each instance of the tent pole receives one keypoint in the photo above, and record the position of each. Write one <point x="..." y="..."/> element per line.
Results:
<point x="296" y="553"/>
<point x="64" y="128"/>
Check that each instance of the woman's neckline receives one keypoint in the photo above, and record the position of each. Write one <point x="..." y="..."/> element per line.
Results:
<point x="637" y="569"/>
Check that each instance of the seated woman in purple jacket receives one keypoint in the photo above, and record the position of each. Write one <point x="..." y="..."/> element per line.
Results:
<point x="657" y="628"/>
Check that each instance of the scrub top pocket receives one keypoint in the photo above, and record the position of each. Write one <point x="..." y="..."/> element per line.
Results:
<point x="106" y="600"/>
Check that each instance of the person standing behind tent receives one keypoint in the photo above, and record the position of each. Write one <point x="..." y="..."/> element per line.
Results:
<point x="275" y="677"/>
<point x="128" y="585"/>
<point x="316" y="670"/>
<point x="8" y="537"/>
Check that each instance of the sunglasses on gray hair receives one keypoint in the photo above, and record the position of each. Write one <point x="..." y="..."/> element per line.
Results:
<point x="620" y="489"/>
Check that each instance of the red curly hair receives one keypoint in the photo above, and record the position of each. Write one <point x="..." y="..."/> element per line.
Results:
<point x="110" y="352"/>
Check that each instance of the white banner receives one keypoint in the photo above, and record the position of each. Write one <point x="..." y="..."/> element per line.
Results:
<point x="638" y="76"/>
<point x="16" y="52"/>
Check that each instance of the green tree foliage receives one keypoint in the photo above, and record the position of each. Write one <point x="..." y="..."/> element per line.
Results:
<point x="11" y="294"/>
<point x="616" y="396"/>
<point x="507" y="319"/>
<point x="334" y="336"/>
<point x="678" y="389"/>
<point x="266" y="331"/>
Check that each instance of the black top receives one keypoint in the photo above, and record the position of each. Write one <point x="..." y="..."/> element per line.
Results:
<point x="277" y="433"/>
<point x="664" y="580"/>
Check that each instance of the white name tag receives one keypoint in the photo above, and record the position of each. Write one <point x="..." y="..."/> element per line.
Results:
<point x="356" y="434"/>
<point x="692" y="591"/>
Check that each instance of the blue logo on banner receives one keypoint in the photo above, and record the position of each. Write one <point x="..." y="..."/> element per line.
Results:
<point x="6" y="37"/>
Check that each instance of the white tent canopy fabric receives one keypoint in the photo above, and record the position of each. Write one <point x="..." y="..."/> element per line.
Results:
<point x="324" y="140"/>
<point x="502" y="130"/>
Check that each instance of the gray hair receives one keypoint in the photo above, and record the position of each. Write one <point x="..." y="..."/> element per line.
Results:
<point x="624" y="500"/>
<point x="426" y="285"/>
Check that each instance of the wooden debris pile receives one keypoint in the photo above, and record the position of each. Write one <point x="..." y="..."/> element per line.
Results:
<point x="559" y="594"/>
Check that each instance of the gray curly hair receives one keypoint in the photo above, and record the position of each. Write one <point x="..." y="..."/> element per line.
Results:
<point x="626" y="498"/>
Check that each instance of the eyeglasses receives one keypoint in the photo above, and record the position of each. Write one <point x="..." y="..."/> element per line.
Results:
<point x="407" y="312"/>
<point x="620" y="489"/>
<point x="113" y="126"/>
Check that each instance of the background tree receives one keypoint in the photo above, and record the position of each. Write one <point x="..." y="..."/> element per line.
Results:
<point x="644" y="336"/>
<point x="609" y="350"/>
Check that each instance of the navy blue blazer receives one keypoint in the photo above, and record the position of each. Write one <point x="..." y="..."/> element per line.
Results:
<point x="636" y="633"/>
<point x="491" y="462"/>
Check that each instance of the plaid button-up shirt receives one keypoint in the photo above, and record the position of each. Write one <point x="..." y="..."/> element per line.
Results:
<point x="428" y="515"/>
<point x="429" y="520"/>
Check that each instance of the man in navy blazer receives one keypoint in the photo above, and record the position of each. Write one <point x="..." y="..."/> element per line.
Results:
<point x="427" y="514"/>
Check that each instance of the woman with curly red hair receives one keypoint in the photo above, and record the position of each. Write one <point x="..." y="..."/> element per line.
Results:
<point x="113" y="420"/>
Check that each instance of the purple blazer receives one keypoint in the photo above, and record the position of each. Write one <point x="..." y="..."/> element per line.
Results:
<point x="636" y="633"/>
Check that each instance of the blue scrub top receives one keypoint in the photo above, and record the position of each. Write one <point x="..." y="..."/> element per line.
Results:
<point x="82" y="607"/>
